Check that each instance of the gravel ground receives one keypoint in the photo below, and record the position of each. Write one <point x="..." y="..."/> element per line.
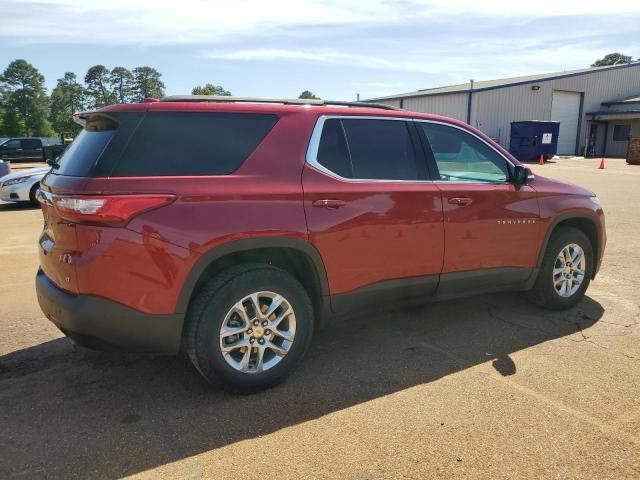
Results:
<point x="486" y="387"/>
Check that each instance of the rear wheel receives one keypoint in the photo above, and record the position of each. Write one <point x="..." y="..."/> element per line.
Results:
<point x="566" y="270"/>
<point x="249" y="327"/>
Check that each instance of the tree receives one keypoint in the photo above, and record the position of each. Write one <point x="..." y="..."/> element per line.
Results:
<point x="24" y="101"/>
<point x="612" y="59"/>
<point x="308" y="95"/>
<point x="121" y="81"/>
<point x="210" y="89"/>
<point x="67" y="98"/>
<point x="97" y="86"/>
<point x="147" y="83"/>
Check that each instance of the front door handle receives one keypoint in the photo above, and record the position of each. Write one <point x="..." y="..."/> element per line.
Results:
<point x="461" y="201"/>
<point x="329" y="203"/>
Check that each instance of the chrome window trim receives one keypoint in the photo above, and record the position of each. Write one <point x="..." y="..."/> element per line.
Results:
<point x="314" y="145"/>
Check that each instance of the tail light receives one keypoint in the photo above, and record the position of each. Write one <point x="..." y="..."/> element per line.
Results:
<point x="110" y="210"/>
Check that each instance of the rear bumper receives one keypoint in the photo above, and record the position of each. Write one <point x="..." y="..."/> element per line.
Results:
<point x="96" y="322"/>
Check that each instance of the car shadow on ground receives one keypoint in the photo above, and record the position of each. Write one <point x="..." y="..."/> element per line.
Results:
<point x="13" y="206"/>
<point x="67" y="412"/>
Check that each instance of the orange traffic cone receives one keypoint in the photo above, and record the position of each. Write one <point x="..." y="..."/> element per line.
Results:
<point x="541" y="162"/>
<point x="601" y="167"/>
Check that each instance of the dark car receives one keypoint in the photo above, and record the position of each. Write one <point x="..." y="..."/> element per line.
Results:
<point x="231" y="229"/>
<point x="29" y="149"/>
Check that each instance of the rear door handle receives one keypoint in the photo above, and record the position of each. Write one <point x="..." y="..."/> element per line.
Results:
<point x="461" y="201"/>
<point x="329" y="203"/>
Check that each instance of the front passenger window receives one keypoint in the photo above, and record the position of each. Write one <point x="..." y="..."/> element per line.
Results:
<point x="12" y="144"/>
<point x="461" y="156"/>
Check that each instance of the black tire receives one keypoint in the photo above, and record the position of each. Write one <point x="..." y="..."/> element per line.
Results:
<point x="543" y="292"/>
<point x="201" y="340"/>
<point x="32" y="195"/>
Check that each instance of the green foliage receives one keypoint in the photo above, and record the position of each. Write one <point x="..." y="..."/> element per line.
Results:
<point x="97" y="82"/>
<point x="67" y="98"/>
<point x="210" y="89"/>
<point x="24" y="101"/>
<point x="121" y="81"/>
<point x="308" y="95"/>
<point x="612" y="59"/>
<point x="147" y="84"/>
<point x="26" y="110"/>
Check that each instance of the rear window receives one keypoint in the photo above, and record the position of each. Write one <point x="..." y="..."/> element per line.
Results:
<point x="192" y="143"/>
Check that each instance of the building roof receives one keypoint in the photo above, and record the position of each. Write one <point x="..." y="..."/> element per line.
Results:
<point x="504" y="82"/>
<point x="622" y="101"/>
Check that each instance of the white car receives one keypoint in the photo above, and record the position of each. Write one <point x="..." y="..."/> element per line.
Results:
<point x="22" y="185"/>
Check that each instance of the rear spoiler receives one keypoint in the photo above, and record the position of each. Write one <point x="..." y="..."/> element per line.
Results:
<point x="81" y="118"/>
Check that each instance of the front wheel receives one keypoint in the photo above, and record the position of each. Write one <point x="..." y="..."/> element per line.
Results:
<point x="32" y="195"/>
<point x="249" y="327"/>
<point x="566" y="270"/>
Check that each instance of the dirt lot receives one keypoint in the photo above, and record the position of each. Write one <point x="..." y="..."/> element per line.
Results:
<point x="487" y="387"/>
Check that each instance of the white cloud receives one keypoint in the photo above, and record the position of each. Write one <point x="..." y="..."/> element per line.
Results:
<point x="539" y="8"/>
<point x="392" y="46"/>
<point x="163" y="22"/>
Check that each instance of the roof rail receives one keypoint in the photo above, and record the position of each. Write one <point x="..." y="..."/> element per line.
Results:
<point x="282" y="101"/>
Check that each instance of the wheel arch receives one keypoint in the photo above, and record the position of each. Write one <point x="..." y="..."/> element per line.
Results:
<point x="582" y="221"/>
<point x="33" y="189"/>
<point x="297" y="257"/>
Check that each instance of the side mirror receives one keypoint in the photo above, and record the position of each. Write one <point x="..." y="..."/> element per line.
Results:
<point x="522" y="175"/>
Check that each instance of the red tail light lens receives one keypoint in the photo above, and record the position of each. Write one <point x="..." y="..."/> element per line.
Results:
<point x="111" y="210"/>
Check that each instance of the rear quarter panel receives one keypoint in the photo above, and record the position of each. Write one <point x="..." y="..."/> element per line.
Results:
<point x="262" y="198"/>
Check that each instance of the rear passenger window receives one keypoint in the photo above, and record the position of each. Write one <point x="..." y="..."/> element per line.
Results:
<point x="368" y="149"/>
<point x="192" y="143"/>
<point x="31" y="144"/>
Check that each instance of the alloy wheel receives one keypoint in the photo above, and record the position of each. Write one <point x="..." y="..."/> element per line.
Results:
<point x="257" y="332"/>
<point x="569" y="270"/>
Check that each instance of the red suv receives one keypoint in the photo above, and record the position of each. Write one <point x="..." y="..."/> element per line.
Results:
<point x="230" y="229"/>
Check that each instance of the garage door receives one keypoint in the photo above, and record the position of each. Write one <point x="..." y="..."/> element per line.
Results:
<point x="565" y="108"/>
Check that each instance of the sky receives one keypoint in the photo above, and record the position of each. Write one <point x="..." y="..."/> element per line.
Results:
<point x="335" y="48"/>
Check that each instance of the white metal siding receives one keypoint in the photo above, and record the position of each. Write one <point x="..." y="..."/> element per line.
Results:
<point x="565" y="108"/>
<point x="493" y="110"/>
<point x="452" y="105"/>
<point x="619" y="148"/>
<point x="394" y="102"/>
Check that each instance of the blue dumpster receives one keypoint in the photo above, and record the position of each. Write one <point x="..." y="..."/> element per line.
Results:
<point x="532" y="138"/>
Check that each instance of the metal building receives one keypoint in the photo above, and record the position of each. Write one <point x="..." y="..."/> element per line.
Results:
<point x="598" y="108"/>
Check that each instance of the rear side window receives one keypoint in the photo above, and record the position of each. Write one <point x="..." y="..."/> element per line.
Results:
<point x="368" y="149"/>
<point x="192" y="143"/>
<point x="31" y="143"/>
<point x="82" y="155"/>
